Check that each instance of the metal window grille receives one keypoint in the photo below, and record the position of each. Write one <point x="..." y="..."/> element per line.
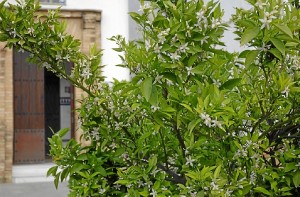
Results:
<point x="54" y="2"/>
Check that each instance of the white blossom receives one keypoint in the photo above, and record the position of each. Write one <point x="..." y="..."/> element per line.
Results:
<point x="252" y="177"/>
<point x="145" y="7"/>
<point x="95" y="133"/>
<point x="214" y="186"/>
<point x="175" y="56"/>
<point x="189" y="70"/>
<point x="162" y="35"/>
<point x="207" y="119"/>
<point x="30" y="30"/>
<point x="113" y="146"/>
<point x="154" y="108"/>
<point x="217" y="82"/>
<point x="157" y="48"/>
<point x="22" y="3"/>
<point x="285" y="92"/>
<point x="183" y="48"/>
<point x="267" y="19"/>
<point x="216" y="123"/>
<point x="58" y="56"/>
<point x="204" y="40"/>
<point x="102" y="191"/>
<point x="158" y="79"/>
<point x="190" y="161"/>
<point x="67" y="57"/>
<point x="260" y="4"/>
<point x="153" y="193"/>
<point x="13" y="33"/>
<point x="86" y="73"/>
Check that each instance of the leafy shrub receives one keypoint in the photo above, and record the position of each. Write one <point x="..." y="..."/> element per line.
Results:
<point x="195" y="119"/>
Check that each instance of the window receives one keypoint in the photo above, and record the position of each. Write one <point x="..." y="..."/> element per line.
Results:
<point x="56" y="2"/>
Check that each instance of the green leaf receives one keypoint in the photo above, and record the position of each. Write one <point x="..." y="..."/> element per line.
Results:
<point x="193" y="124"/>
<point x="135" y="16"/>
<point x="52" y="171"/>
<point x="285" y="29"/>
<point x="217" y="172"/>
<point x="82" y="157"/>
<point x="153" y="161"/>
<point x="192" y="60"/>
<point x="262" y="190"/>
<point x="56" y="180"/>
<point x="146" y="88"/>
<point x="63" y="132"/>
<point x="3" y="37"/>
<point x="296" y="179"/>
<point x="279" y="45"/>
<point x="153" y="100"/>
<point x="217" y="11"/>
<point x="13" y="40"/>
<point x="231" y="83"/>
<point x="76" y="168"/>
<point x="144" y="193"/>
<point x="276" y="53"/>
<point x="187" y="107"/>
<point x="200" y="194"/>
<point x="251" y="56"/>
<point x="64" y="174"/>
<point x="249" y="34"/>
<point x="290" y="166"/>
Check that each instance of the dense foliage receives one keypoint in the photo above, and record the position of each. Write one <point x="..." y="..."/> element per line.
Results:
<point x="195" y="120"/>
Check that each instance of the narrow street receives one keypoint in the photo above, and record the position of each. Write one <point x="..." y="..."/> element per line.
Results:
<point x="43" y="189"/>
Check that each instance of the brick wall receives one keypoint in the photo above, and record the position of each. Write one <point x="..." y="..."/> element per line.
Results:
<point x="6" y="114"/>
<point x="90" y="36"/>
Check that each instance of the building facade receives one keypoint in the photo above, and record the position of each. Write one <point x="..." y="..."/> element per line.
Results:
<point x="33" y="100"/>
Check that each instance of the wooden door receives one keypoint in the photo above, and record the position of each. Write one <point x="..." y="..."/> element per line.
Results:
<point x="29" y="121"/>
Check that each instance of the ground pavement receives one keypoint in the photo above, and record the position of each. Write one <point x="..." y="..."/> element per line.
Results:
<point x="43" y="189"/>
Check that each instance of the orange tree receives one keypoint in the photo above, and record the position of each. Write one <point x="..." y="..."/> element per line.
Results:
<point x="195" y="119"/>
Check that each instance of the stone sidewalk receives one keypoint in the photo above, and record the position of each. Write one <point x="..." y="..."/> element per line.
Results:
<point x="43" y="189"/>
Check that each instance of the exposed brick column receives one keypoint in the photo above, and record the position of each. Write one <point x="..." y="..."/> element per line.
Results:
<point x="90" y="36"/>
<point x="6" y="114"/>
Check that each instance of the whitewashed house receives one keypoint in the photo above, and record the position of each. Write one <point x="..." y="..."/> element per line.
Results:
<point x="33" y="99"/>
<point x="24" y="127"/>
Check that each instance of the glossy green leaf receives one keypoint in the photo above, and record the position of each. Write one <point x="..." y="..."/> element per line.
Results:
<point x="249" y="34"/>
<point x="217" y="172"/>
<point x="3" y="37"/>
<point x="146" y="88"/>
<point x="276" y="53"/>
<point x="290" y="166"/>
<point x="279" y="45"/>
<point x="231" y="83"/>
<point x="262" y="190"/>
<point x="63" y="132"/>
<point x="251" y="57"/>
<point x="192" y="60"/>
<point x="52" y="171"/>
<point x="296" y="178"/>
<point x="153" y="100"/>
<point x="285" y="29"/>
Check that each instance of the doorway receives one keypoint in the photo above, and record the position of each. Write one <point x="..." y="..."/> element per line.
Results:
<point x="42" y="105"/>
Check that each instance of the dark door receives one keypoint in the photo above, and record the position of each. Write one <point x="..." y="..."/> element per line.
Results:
<point x="29" y="120"/>
<point x="52" y="107"/>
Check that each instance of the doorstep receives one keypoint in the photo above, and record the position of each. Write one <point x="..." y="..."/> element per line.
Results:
<point x="31" y="173"/>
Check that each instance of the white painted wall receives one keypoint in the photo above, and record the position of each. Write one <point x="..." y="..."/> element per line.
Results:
<point x="115" y="21"/>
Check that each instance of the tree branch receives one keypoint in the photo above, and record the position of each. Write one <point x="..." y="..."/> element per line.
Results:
<point x="179" y="137"/>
